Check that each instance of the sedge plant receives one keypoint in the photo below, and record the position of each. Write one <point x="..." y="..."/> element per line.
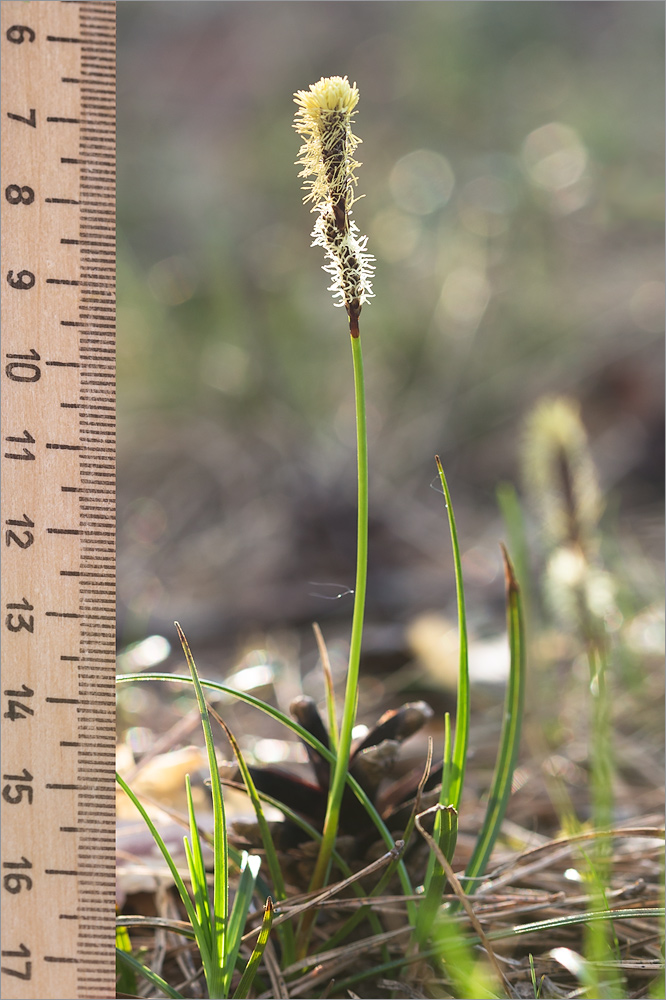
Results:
<point x="324" y="120"/>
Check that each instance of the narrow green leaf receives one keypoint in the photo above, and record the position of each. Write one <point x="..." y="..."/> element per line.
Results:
<point x="445" y="830"/>
<point x="535" y="989"/>
<point x="507" y="756"/>
<point x="239" y="912"/>
<point x="197" y="868"/>
<point x="220" y="910"/>
<point x="247" y="978"/>
<point x="459" y="758"/>
<point x="286" y="930"/>
<point x="447" y="844"/>
<point x="446" y="763"/>
<point x="444" y="833"/>
<point x="133" y="964"/>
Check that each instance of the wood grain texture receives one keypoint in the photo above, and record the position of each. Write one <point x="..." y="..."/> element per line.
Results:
<point x="58" y="512"/>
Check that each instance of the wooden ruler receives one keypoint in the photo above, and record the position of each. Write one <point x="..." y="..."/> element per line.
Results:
<point x="58" y="514"/>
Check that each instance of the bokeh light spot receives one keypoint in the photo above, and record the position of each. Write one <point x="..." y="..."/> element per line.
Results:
<point x="395" y="235"/>
<point x="146" y="653"/>
<point x="172" y="280"/>
<point x="554" y="156"/>
<point x="422" y="182"/>
<point x="271" y="751"/>
<point x="465" y="295"/>
<point x="225" y="367"/>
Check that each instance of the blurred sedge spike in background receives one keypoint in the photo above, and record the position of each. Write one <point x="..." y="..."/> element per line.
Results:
<point x="324" y="120"/>
<point x="560" y="474"/>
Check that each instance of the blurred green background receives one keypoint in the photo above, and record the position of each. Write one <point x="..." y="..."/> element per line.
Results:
<point x="513" y="181"/>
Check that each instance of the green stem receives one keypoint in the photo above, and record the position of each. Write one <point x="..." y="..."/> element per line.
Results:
<point x="459" y="759"/>
<point x="601" y="941"/>
<point x="351" y="693"/>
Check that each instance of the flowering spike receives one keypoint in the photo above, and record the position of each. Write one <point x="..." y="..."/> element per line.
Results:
<point x="324" y="120"/>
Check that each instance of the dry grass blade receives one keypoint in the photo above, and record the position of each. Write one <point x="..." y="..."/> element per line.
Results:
<point x="357" y="948"/>
<point x="419" y="791"/>
<point x="514" y="874"/>
<point x="648" y="832"/>
<point x="289" y="912"/>
<point x="177" y="926"/>
<point x="462" y="896"/>
<point x="409" y="991"/>
<point x="328" y="963"/>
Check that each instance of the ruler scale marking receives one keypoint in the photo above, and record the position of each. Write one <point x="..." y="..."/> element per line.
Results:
<point x="58" y="125"/>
